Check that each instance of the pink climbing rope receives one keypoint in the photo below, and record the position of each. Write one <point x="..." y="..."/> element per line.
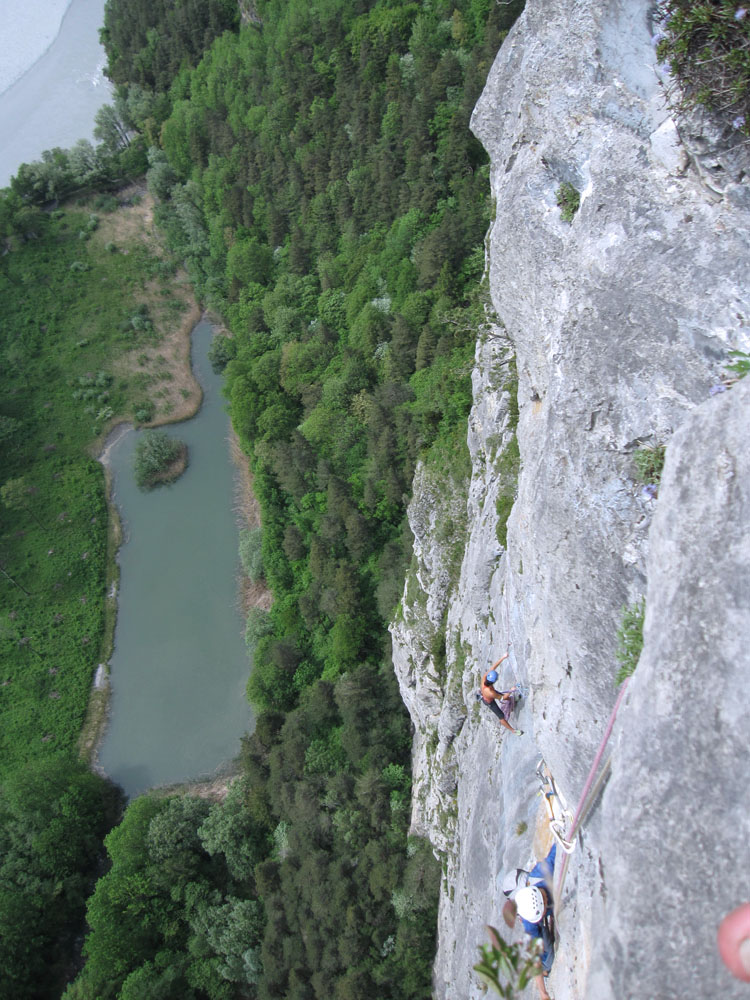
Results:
<point x="579" y="813"/>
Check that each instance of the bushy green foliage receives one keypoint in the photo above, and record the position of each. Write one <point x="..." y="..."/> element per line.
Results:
<point x="149" y="41"/>
<point x="630" y="639"/>
<point x="230" y="830"/>
<point x="649" y="464"/>
<point x="51" y="619"/>
<point x="53" y="816"/>
<point x="568" y="200"/>
<point x="155" y="455"/>
<point x="706" y="44"/>
<point x="62" y="173"/>
<point x="257" y="625"/>
<point x="347" y="898"/>
<point x="509" y="462"/>
<point x="251" y="555"/>
<point x="172" y="916"/>
<point x="740" y="365"/>
<point x="10" y="428"/>
<point x="105" y="203"/>
<point x="221" y="352"/>
<point x="144" y="413"/>
<point x="508" y="967"/>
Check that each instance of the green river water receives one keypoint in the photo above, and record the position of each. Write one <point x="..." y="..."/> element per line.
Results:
<point x="179" y="667"/>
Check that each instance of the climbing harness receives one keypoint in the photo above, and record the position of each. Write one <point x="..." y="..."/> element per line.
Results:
<point x="507" y="705"/>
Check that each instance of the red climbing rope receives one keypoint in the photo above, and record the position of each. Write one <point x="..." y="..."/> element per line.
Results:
<point x="585" y="802"/>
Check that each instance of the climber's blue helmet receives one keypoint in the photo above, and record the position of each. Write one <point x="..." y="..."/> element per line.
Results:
<point x="491" y="676"/>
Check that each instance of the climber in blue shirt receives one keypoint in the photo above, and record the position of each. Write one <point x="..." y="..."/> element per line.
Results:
<point x="534" y="907"/>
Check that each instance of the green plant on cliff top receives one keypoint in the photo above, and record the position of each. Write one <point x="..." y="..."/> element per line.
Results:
<point x="630" y="639"/>
<point x="568" y="200"/>
<point x="509" y="463"/>
<point x="649" y="464"/>
<point x="740" y="364"/>
<point x="706" y="46"/>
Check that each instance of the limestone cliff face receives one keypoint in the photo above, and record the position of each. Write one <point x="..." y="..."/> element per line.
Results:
<point x="619" y="326"/>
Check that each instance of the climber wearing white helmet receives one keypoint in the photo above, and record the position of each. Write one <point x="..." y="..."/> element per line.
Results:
<point x="491" y="697"/>
<point x="531" y="903"/>
<point x="533" y="900"/>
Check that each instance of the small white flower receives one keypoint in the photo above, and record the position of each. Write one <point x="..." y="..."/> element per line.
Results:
<point x="740" y="14"/>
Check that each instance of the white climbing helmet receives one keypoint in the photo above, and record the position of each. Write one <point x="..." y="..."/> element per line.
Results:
<point x="530" y="904"/>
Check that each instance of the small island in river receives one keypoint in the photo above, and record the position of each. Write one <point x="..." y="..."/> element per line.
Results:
<point x="159" y="459"/>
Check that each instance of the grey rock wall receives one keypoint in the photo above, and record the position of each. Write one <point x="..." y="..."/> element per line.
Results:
<point x="674" y="836"/>
<point x="620" y="324"/>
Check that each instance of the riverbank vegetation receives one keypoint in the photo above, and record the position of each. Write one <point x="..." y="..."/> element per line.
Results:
<point x="316" y="175"/>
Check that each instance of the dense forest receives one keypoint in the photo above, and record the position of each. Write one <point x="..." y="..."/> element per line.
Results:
<point x="315" y="174"/>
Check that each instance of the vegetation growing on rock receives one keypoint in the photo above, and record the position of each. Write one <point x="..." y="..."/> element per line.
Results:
<point x="630" y="639"/>
<point x="568" y="201"/>
<point x="649" y="464"/>
<point x="707" y="46"/>
<point x="509" y="462"/>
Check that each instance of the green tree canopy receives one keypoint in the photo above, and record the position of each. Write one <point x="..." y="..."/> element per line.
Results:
<point x="53" y="816"/>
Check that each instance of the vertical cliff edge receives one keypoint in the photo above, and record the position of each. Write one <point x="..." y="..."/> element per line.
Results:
<point x="610" y="334"/>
